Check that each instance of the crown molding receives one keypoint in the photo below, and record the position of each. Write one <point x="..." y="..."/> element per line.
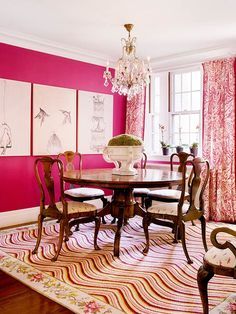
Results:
<point x="51" y="47"/>
<point x="192" y="58"/>
<point x="164" y="63"/>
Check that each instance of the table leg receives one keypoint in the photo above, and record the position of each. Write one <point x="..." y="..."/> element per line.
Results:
<point x="118" y="233"/>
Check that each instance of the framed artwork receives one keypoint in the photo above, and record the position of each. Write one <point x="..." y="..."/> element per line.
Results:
<point x="95" y="121"/>
<point x="54" y="120"/>
<point x="15" y="116"/>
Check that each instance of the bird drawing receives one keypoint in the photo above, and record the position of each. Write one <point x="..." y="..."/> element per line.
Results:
<point x="41" y="116"/>
<point x="67" y="116"/>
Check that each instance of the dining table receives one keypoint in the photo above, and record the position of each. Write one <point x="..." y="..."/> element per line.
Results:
<point x="123" y="205"/>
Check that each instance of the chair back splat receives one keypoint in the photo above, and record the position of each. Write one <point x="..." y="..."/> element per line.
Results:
<point x="197" y="184"/>
<point x="70" y="160"/>
<point x="43" y="168"/>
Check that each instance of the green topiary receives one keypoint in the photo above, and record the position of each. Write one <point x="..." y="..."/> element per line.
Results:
<point x="125" y="140"/>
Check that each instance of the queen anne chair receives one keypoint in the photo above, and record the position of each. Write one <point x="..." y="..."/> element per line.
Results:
<point x="175" y="214"/>
<point x="142" y="192"/>
<point x="68" y="213"/>
<point x="80" y="194"/>
<point x="170" y="195"/>
<point x="220" y="260"/>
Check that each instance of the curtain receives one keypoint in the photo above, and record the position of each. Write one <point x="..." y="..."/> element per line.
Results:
<point x="135" y="115"/>
<point x="219" y="138"/>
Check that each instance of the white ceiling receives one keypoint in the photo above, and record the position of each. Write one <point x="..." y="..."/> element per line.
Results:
<point x="164" y="29"/>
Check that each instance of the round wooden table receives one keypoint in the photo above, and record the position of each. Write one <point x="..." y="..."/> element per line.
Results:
<point x="123" y="204"/>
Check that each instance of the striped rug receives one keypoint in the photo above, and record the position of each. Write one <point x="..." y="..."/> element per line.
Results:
<point x="160" y="282"/>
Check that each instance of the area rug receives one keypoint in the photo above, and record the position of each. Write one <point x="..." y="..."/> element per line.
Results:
<point x="88" y="281"/>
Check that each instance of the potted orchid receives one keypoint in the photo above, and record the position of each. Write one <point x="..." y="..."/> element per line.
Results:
<point x="179" y="148"/>
<point x="165" y="147"/>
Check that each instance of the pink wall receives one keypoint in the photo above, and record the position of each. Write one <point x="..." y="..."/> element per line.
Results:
<point x="18" y="187"/>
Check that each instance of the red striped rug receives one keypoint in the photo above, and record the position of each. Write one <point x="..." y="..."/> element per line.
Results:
<point x="160" y="282"/>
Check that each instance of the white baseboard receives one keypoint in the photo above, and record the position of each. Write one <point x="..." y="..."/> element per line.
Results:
<point x="28" y="215"/>
<point x="18" y="217"/>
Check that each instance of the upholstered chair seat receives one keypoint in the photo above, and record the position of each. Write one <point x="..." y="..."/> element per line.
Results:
<point x="167" y="208"/>
<point x="84" y="192"/>
<point x="166" y="194"/>
<point x="218" y="257"/>
<point x="141" y="191"/>
<point x="76" y="207"/>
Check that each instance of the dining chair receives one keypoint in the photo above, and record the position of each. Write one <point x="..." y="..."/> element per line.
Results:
<point x="142" y="192"/>
<point x="49" y="176"/>
<point x="170" y="194"/>
<point x="70" y="160"/>
<point x="175" y="214"/>
<point x="219" y="259"/>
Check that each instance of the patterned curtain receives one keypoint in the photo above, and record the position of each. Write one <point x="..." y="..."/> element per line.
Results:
<point x="219" y="138"/>
<point x="135" y="115"/>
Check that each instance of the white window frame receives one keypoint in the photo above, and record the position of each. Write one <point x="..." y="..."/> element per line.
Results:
<point x="161" y="116"/>
<point x="187" y="112"/>
<point x="165" y="115"/>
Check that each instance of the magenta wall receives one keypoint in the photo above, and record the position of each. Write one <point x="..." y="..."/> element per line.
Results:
<point x="18" y="187"/>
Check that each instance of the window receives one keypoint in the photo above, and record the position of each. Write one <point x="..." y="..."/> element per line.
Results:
<point x="185" y="114"/>
<point x="155" y="112"/>
<point x="175" y="103"/>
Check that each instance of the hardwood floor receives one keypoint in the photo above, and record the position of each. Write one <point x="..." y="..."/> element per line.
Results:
<point x="17" y="298"/>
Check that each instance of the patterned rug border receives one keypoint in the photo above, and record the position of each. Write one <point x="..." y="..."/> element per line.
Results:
<point x="72" y="298"/>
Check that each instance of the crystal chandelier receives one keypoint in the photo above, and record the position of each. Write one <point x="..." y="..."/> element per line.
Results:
<point x="132" y="75"/>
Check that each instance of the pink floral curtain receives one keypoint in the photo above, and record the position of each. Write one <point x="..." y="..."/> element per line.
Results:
<point x="219" y="138"/>
<point x="135" y="115"/>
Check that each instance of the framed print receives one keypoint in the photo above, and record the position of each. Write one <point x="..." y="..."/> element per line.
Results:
<point x="95" y="121"/>
<point x="54" y="120"/>
<point x="15" y="116"/>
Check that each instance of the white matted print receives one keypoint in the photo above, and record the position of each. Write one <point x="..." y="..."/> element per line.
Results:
<point x="15" y="109"/>
<point x="54" y="120"/>
<point x="95" y="122"/>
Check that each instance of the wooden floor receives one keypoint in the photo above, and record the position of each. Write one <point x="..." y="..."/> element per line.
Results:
<point x="17" y="298"/>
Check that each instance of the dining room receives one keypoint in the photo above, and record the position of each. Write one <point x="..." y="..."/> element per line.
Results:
<point x="117" y="156"/>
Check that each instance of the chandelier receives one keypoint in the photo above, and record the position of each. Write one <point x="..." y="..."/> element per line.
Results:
<point x="132" y="75"/>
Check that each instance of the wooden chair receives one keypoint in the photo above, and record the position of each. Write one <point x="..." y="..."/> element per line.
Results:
<point x="68" y="213"/>
<point x="220" y="260"/>
<point x="142" y="192"/>
<point x="175" y="214"/>
<point x="170" y="195"/>
<point x="80" y="194"/>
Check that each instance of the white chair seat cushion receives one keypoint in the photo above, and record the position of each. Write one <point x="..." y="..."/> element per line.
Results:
<point x="164" y="208"/>
<point x="141" y="191"/>
<point x="84" y="192"/>
<point x="220" y="257"/>
<point x="166" y="194"/>
<point x="77" y="207"/>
